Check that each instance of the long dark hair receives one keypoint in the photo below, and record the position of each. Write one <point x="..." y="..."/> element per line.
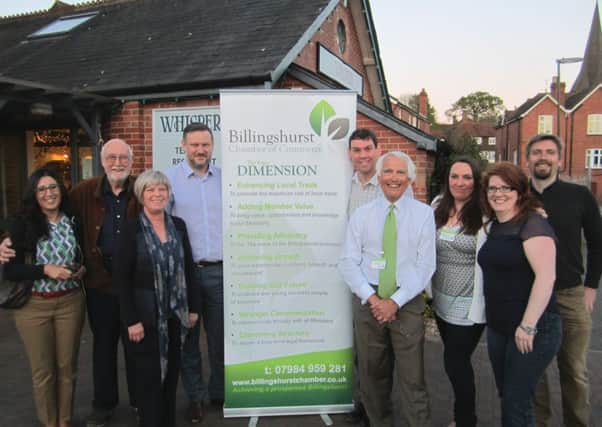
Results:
<point x="470" y="216"/>
<point x="512" y="175"/>
<point x="34" y="220"/>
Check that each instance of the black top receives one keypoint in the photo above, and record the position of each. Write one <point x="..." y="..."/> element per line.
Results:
<point x="115" y="214"/>
<point x="133" y="276"/>
<point x="507" y="274"/>
<point x="572" y="208"/>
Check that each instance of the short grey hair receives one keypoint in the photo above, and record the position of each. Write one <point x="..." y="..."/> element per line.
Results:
<point x="130" y="150"/>
<point x="148" y="178"/>
<point x="403" y="156"/>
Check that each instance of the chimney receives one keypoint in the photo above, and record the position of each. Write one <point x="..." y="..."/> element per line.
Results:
<point x="423" y="100"/>
<point x="554" y="93"/>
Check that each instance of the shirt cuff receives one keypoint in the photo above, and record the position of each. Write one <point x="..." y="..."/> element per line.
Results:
<point x="365" y="292"/>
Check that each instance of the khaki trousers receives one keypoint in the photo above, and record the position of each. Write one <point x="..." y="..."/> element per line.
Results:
<point x="572" y="363"/>
<point x="50" y="329"/>
<point x="382" y="349"/>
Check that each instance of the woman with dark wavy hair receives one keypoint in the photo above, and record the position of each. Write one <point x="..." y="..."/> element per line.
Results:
<point x="519" y="269"/>
<point x="50" y="324"/>
<point x="459" y="311"/>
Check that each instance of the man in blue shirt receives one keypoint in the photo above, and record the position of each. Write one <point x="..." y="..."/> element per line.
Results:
<point x="197" y="199"/>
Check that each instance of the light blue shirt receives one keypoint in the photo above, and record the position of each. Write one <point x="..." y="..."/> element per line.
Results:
<point x="416" y="237"/>
<point x="198" y="201"/>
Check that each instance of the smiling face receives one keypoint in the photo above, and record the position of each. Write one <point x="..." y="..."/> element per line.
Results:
<point x="394" y="179"/>
<point x="198" y="146"/>
<point x="503" y="202"/>
<point x="461" y="181"/>
<point x="48" y="195"/>
<point x="543" y="159"/>
<point x="116" y="161"/>
<point x="363" y="155"/>
<point x="155" y="198"/>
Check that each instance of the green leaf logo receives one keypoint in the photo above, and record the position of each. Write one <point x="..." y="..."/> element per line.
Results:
<point x="338" y="128"/>
<point x="319" y="115"/>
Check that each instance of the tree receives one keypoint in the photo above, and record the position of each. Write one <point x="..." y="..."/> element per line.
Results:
<point x="411" y="100"/>
<point x="477" y="106"/>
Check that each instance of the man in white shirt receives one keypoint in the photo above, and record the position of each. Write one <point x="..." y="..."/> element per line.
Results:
<point x="388" y="316"/>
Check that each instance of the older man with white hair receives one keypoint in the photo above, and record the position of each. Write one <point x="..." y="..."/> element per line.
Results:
<point x="103" y="204"/>
<point x="388" y="258"/>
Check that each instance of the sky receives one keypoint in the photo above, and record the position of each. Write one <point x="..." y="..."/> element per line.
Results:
<point x="452" y="48"/>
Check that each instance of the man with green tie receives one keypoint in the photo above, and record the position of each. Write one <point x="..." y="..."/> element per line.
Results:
<point x="388" y="258"/>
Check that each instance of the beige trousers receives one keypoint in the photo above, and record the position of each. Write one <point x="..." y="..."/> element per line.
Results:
<point x="50" y="329"/>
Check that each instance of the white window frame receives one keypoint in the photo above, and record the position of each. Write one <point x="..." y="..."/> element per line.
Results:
<point x="478" y="140"/>
<point x="545" y="123"/>
<point x="491" y="140"/>
<point x="593" y="158"/>
<point x="594" y="124"/>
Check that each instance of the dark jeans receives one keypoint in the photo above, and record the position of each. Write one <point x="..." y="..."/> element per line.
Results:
<point x="212" y="296"/>
<point x="157" y="401"/>
<point x="516" y="374"/>
<point x="104" y="319"/>
<point x="212" y="310"/>
<point x="459" y="343"/>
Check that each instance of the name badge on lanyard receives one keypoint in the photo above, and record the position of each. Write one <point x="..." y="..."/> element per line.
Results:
<point x="448" y="234"/>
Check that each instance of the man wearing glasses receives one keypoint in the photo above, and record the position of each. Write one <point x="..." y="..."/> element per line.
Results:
<point x="102" y="204"/>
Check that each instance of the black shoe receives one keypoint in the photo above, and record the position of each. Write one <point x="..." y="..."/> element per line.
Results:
<point x="358" y="416"/>
<point x="195" y="412"/>
<point x="99" y="417"/>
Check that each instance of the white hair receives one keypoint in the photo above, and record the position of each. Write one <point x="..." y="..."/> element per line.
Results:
<point x="103" y="149"/>
<point x="403" y="156"/>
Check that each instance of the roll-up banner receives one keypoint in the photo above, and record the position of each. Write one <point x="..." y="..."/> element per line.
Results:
<point x="286" y="177"/>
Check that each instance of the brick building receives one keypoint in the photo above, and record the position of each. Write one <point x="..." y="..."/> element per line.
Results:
<point x="482" y="134"/>
<point x="73" y="76"/>
<point x="580" y="124"/>
<point x="417" y="117"/>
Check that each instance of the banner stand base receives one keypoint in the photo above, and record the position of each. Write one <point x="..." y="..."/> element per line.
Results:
<point x="325" y="418"/>
<point x="320" y="410"/>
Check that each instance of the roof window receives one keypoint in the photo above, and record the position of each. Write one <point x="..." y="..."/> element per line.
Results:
<point x="63" y="25"/>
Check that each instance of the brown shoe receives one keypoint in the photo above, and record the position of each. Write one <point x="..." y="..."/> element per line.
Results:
<point x="195" y="412"/>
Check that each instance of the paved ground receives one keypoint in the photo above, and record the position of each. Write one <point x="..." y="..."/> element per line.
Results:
<point x="17" y="410"/>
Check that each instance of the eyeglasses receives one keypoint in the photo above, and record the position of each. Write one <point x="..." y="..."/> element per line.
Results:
<point x="44" y="188"/>
<point x="112" y="158"/>
<point x="502" y="189"/>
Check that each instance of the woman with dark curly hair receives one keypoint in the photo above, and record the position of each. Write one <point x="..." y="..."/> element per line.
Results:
<point x="50" y="324"/>
<point x="519" y="269"/>
<point x="458" y="306"/>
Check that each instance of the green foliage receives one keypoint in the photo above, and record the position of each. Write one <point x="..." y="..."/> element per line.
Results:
<point x="477" y="106"/>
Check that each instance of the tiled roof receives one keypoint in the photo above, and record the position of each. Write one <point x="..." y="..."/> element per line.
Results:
<point x="523" y="108"/>
<point x="179" y="44"/>
<point x="590" y="74"/>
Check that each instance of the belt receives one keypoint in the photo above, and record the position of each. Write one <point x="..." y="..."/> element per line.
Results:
<point x="202" y="264"/>
<point x="53" y="294"/>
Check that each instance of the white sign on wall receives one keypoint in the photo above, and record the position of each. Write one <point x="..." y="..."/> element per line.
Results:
<point x="168" y="124"/>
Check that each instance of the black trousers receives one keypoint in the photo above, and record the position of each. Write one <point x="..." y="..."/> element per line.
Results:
<point x="459" y="343"/>
<point x="156" y="400"/>
<point x="106" y="326"/>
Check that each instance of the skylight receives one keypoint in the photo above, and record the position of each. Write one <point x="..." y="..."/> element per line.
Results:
<point x="63" y="25"/>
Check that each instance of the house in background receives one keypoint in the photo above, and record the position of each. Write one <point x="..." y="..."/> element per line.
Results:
<point x="580" y="124"/>
<point x="481" y="133"/>
<point x="417" y="117"/>
<point x="75" y="75"/>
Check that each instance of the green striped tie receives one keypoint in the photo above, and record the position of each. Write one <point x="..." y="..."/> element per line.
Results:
<point x="387" y="281"/>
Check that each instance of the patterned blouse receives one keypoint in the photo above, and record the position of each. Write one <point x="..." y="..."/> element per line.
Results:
<point x="453" y="281"/>
<point x="60" y="249"/>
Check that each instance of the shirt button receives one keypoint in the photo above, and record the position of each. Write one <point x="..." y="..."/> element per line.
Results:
<point x="118" y="216"/>
<point x="98" y="227"/>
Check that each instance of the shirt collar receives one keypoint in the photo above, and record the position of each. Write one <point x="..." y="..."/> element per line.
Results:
<point x="549" y="187"/>
<point x="189" y="172"/>
<point x="373" y="181"/>
<point x="384" y="203"/>
<point x="106" y="187"/>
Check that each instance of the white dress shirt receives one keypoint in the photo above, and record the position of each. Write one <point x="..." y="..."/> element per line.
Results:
<point x="416" y="259"/>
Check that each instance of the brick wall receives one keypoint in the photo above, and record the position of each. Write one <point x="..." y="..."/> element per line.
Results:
<point x="133" y="123"/>
<point x="327" y="36"/>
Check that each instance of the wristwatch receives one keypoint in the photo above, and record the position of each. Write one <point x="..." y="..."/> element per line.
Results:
<point x="529" y="330"/>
